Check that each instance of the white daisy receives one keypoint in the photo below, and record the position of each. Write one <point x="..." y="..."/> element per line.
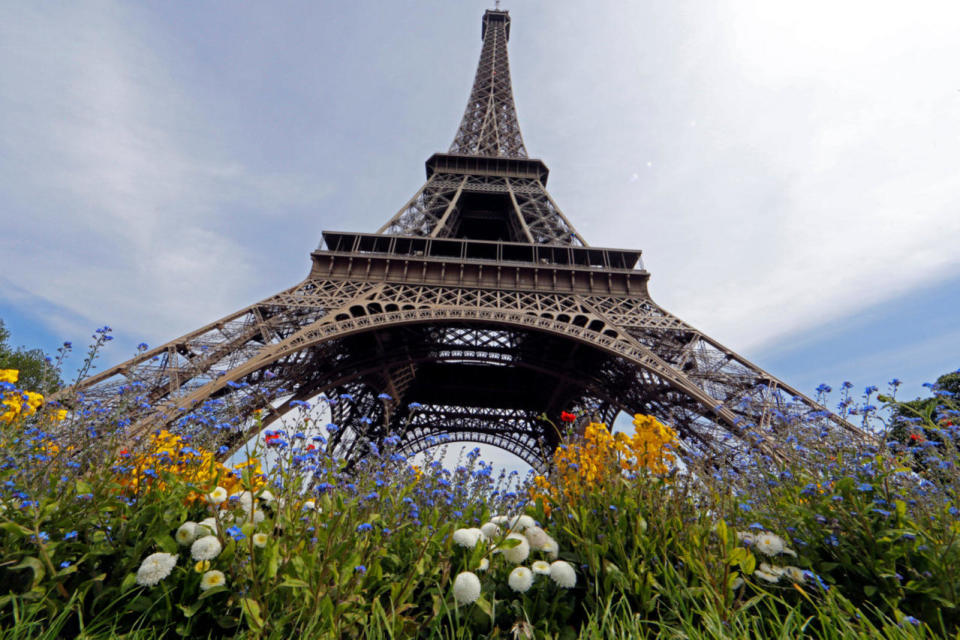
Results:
<point x="518" y="553"/>
<point x="186" y="534"/>
<point x="520" y="579"/>
<point x="563" y="574"/>
<point x="260" y="540"/>
<point x="155" y="568"/>
<point x="467" y="537"/>
<point x="769" y="577"/>
<point x="267" y="497"/>
<point x="206" y="548"/>
<point x="466" y="588"/>
<point x="771" y="569"/>
<point x="540" y="567"/>
<point x="258" y="516"/>
<point x="212" y="579"/>
<point x="217" y="496"/>
<point x="309" y="505"/>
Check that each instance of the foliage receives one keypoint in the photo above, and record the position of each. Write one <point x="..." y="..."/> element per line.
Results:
<point x="38" y="372"/>
<point x="813" y="532"/>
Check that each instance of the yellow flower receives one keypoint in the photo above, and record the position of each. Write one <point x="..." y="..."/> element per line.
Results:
<point x="9" y="375"/>
<point x="203" y="565"/>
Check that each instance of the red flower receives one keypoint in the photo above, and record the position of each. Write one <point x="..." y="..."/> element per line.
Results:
<point x="916" y="438"/>
<point x="567" y="417"/>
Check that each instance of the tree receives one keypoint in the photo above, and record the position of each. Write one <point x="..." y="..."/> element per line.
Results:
<point x="37" y="372"/>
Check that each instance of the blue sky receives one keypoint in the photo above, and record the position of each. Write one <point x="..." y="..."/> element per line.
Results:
<point x="790" y="171"/>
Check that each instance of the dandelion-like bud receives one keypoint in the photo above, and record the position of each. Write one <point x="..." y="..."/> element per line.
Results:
<point x="491" y="531"/>
<point x="563" y="574"/>
<point x="212" y="579"/>
<point x="467" y="537"/>
<point x="520" y="579"/>
<point x="155" y="568"/>
<point x="551" y="548"/>
<point x="484" y="564"/>
<point x="518" y="553"/>
<point x="206" y="548"/>
<point x="466" y="588"/>
<point x="186" y="534"/>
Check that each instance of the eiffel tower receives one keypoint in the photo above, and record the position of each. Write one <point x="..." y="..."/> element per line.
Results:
<point x="474" y="310"/>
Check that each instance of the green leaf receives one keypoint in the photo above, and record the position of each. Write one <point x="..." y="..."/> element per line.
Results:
<point x="294" y="583"/>
<point x="869" y="590"/>
<point x="128" y="583"/>
<point x="251" y="611"/>
<point x="484" y="606"/>
<point x="166" y="543"/>
<point x="749" y="564"/>
<point x="35" y="565"/>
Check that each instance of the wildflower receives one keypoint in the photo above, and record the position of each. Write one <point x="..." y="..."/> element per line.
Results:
<point x="186" y="534"/>
<point x="490" y="531"/>
<point x="206" y="548"/>
<point x="202" y="566"/>
<point x="155" y="568"/>
<point x="267" y="497"/>
<point x="518" y="553"/>
<point x="520" y="579"/>
<point x="309" y="505"/>
<point x="563" y="574"/>
<point x="541" y="567"/>
<point x="217" y="496"/>
<point x="246" y="500"/>
<point x="500" y="520"/>
<point x="9" y="375"/>
<point x="484" y="564"/>
<point x="467" y="537"/>
<point x="567" y="417"/>
<point x="70" y="535"/>
<point x="236" y="533"/>
<point x="769" y="544"/>
<point x="466" y="587"/>
<point x="366" y="526"/>
<point x="361" y="569"/>
<point x="258" y="516"/>
<point x="212" y="579"/>
<point x="260" y="540"/>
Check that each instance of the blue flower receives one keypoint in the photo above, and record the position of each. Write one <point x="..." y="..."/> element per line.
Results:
<point x="384" y="396"/>
<point x="70" y="535"/>
<point x="64" y="564"/>
<point x="910" y="620"/>
<point x="865" y="487"/>
<point x="360" y="569"/>
<point x="366" y="526"/>
<point x="236" y="533"/>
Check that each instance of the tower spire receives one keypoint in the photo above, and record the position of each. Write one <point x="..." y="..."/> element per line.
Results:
<point x="489" y="126"/>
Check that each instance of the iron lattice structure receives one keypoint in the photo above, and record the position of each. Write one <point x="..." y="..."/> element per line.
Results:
<point x="479" y="302"/>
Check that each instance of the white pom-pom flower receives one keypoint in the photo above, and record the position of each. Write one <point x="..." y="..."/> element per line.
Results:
<point x="500" y="520"/>
<point x="518" y="553"/>
<point x="491" y="531"/>
<point x="551" y="548"/>
<point x="563" y="574"/>
<point x="205" y="527"/>
<point x="520" y="579"/>
<point x="260" y="540"/>
<point x="484" y="564"/>
<point x="466" y="587"/>
<point x="206" y="548"/>
<point x="186" y="534"/>
<point x="267" y="497"/>
<point x="212" y="579"/>
<point x="521" y="523"/>
<point x="541" y="568"/>
<point x="246" y="500"/>
<point x="537" y="537"/>
<point x="467" y="537"/>
<point x="155" y="568"/>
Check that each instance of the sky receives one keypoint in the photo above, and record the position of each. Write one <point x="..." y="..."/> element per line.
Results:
<point x="790" y="170"/>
